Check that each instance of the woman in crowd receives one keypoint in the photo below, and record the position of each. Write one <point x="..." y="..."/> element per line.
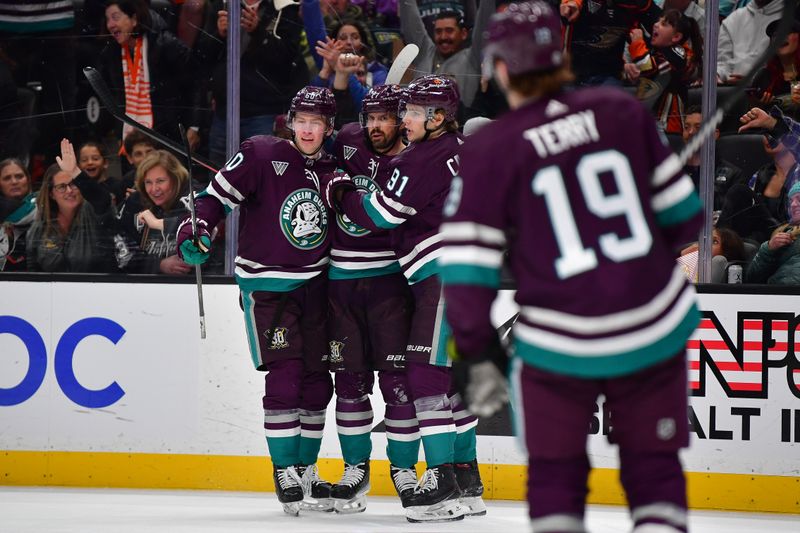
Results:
<point x="18" y="214"/>
<point x="71" y="230"/>
<point x="150" y="217"/>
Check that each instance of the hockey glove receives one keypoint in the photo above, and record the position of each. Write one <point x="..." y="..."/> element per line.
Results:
<point x="194" y="252"/>
<point x="481" y="381"/>
<point x="333" y="186"/>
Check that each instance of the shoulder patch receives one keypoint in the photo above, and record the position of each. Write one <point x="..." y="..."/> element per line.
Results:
<point x="554" y="107"/>
<point x="349" y="151"/>
<point x="280" y="167"/>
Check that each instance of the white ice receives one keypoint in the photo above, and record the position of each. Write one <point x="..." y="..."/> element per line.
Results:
<point x="66" y="510"/>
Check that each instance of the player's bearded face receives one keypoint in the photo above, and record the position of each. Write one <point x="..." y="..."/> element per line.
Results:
<point x="382" y="129"/>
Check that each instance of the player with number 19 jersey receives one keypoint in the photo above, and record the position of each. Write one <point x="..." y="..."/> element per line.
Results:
<point x="592" y="212"/>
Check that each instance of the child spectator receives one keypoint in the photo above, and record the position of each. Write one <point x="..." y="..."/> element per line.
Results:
<point x="137" y="147"/>
<point x="675" y="54"/>
<point x="92" y="160"/>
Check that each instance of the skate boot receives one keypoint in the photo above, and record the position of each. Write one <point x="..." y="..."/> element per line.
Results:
<point x="469" y="481"/>
<point x="316" y="491"/>
<point x="350" y="493"/>
<point x="436" y="497"/>
<point x="287" y="485"/>
<point x="405" y="481"/>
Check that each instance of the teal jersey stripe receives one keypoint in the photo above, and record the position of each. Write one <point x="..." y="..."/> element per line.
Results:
<point x="344" y="273"/>
<point x="683" y="210"/>
<point x="374" y="215"/>
<point x="481" y="276"/>
<point x="27" y="207"/>
<point x="270" y="284"/>
<point x="250" y="327"/>
<point x="610" y="366"/>
<point x="20" y="26"/>
<point x="430" y="269"/>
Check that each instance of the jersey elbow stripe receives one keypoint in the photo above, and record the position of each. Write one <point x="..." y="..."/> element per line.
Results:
<point x="226" y="202"/>
<point x="379" y="215"/>
<point x="414" y="268"/>
<point x="470" y="231"/>
<point x="421" y="248"/>
<point x="470" y="275"/>
<point x="226" y="186"/>
<point x="673" y="195"/>
<point x="395" y="205"/>
<point x="587" y="325"/>
<point x="471" y="255"/>
<point x="665" y="170"/>
<point x="607" y="346"/>
<point x="681" y="212"/>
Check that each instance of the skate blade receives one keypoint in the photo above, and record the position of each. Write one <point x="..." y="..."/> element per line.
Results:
<point x="323" y="505"/>
<point x="474" y="506"/>
<point x="292" y="509"/>
<point x="446" y="511"/>
<point x="356" y="505"/>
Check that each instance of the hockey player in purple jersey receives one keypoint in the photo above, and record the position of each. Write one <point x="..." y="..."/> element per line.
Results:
<point x="410" y="205"/>
<point x="370" y="313"/>
<point x="591" y="209"/>
<point x="281" y="269"/>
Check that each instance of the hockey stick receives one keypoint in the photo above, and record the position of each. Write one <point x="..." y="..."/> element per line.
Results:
<point x="197" y="242"/>
<point x="674" y="164"/>
<point x="104" y="94"/>
<point x="401" y="63"/>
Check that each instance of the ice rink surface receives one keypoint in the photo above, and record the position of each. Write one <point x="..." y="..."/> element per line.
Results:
<point x="66" y="510"/>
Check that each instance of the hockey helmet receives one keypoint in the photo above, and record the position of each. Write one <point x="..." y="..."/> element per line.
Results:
<point x="316" y="100"/>
<point x="432" y="92"/>
<point x="526" y="36"/>
<point x="380" y="99"/>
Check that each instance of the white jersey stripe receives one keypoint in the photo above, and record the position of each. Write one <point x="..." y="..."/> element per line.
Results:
<point x="227" y="202"/>
<point x="673" y="195"/>
<point x="470" y="231"/>
<point x="227" y="187"/>
<point x="397" y="206"/>
<point x="275" y="274"/>
<point x="383" y="212"/>
<point x="420" y="248"/>
<point x="588" y="325"/>
<point x="252" y="264"/>
<point x="357" y="253"/>
<point x="362" y="265"/>
<point x="608" y="345"/>
<point x="471" y="255"/>
<point x="409" y="271"/>
<point x="668" y="168"/>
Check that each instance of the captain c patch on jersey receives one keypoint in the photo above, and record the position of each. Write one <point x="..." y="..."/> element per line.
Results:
<point x="304" y="219"/>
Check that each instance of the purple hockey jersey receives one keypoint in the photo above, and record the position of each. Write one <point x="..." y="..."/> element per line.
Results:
<point x="283" y="222"/>
<point x="411" y="203"/>
<point x="591" y="203"/>
<point x="358" y="252"/>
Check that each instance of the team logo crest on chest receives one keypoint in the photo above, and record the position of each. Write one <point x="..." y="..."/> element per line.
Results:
<point x="304" y="219"/>
<point x="345" y="224"/>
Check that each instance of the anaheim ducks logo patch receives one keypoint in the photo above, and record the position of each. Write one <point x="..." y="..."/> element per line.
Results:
<point x="304" y="219"/>
<point x="345" y="224"/>
<point x="336" y="348"/>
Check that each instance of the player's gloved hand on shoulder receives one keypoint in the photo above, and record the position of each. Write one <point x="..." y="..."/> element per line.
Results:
<point x="333" y="186"/>
<point x="194" y="252"/>
<point x="481" y="381"/>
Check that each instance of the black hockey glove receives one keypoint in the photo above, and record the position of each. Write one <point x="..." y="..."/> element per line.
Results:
<point x="481" y="381"/>
<point x="333" y="186"/>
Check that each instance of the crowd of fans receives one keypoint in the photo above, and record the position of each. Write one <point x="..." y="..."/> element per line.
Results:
<point x="112" y="205"/>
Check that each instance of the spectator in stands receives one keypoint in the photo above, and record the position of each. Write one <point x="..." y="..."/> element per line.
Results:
<point x="778" y="259"/>
<point x="150" y="72"/>
<point x="725" y="172"/>
<point x="345" y="58"/>
<point x="429" y="9"/>
<point x="743" y="38"/>
<point x="20" y="202"/>
<point x="724" y="242"/>
<point x="93" y="161"/>
<point x="272" y="69"/>
<point x="774" y="84"/>
<point x="447" y="53"/>
<point x="674" y="57"/>
<point x="71" y="230"/>
<point x="150" y="217"/>
<point x="596" y="34"/>
<point x="690" y="8"/>
<point x="137" y="147"/>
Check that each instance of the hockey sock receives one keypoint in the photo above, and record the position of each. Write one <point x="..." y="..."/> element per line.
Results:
<point x="283" y="436"/>
<point x="557" y="488"/>
<point x="353" y="425"/>
<point x="312" y="424"/>
<point x="402" y="434"/>
<point x="466" y="441"/>
<point x="436" y="428"/>
<point x="656" y="489"/>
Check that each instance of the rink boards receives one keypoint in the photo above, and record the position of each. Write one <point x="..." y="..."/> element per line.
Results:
<point x="109" y="384"/>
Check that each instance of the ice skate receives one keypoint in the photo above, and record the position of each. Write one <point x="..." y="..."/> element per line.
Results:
<point x="469" y="481"/>
<point x="316" y="491"/>
<point x="405" y="481"/>
<point x="290" y="492"/>
<point x="436" y="497"/>
<point x="350" y="493"/>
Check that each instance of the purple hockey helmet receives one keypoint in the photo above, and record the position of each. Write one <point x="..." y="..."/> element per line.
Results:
<point x="316" y="100"/>
<point x="432" y="92"/>
<point x="380" y="99"/>
<point x="526" y="36"/>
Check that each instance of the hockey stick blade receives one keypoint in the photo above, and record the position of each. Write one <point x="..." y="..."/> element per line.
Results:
<point x="401" y="63"/>
<point x="104" y="94"/>
<point x="193" y="214"/>
<point x="778" y="38"/>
